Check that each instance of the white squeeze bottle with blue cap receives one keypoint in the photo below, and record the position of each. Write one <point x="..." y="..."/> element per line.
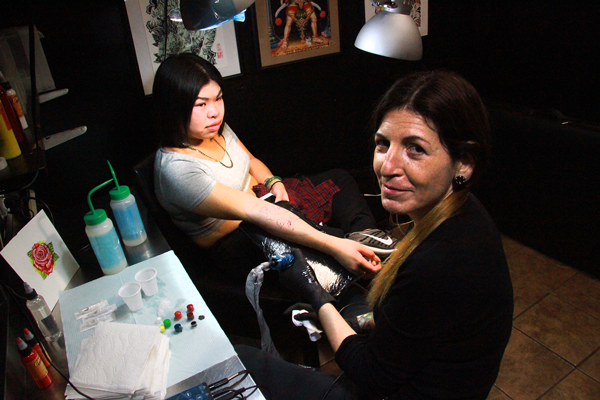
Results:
<point x="104" y="239"/>
<point x="126" y="213"/>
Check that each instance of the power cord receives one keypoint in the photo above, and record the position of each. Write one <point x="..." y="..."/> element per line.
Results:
<point x="230" y="392"/>
<point x="225" y="381"/>
<point x="332" y="385"/>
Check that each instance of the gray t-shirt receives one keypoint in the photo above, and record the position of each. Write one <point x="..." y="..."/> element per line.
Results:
<point x="182" y="182"/>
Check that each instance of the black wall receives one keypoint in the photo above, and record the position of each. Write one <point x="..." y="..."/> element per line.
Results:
<point x="311" y="115"/>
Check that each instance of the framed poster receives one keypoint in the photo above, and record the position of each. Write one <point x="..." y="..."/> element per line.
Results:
<point x="298" y="30"/>
<point x="419" y="13"/>
<point x="146" y="20"/>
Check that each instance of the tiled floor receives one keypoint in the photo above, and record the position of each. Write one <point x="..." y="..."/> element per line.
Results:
<point x="553" y="352"/>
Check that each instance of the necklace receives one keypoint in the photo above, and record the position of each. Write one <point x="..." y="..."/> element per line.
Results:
<point x="214" y="159"/>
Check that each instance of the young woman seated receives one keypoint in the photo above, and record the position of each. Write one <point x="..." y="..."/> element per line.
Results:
<point x="207" y="179"/>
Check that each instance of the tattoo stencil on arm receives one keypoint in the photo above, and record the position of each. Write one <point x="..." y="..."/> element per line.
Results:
<point x="282" y="217"/>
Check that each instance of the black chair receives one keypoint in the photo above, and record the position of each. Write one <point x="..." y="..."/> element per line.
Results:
<point x="225" y="297"/>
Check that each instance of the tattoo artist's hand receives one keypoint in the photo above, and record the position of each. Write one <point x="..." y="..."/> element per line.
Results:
<point x="278" y="190"/>
<point x="356" y="258"/>
<point x="300" y="278"/>
<point x="309" y="315"/>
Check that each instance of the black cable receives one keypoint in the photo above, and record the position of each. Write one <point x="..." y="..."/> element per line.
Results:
<point x="332" y="385"/>
<point x="229" y="394"/>
<point x="83" y="249"/>
<point x="229" y="388"/>
<point x="265" y="390"/>
<point x="255" y="387"/>
<point x="64" y="377"/>
<point x="45" y="207"/>
<point x="225" y="381"/>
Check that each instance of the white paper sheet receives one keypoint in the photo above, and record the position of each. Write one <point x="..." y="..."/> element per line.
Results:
<point x="45" y="276"/>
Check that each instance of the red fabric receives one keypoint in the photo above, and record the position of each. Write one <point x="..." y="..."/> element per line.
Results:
<point x="313" y="201"/>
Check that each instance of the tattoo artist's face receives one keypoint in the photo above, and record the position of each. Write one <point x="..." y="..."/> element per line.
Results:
<point x="415" y="170"/>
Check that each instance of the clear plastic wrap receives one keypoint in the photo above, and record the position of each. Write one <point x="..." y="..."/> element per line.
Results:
<point x="332" y="276"/>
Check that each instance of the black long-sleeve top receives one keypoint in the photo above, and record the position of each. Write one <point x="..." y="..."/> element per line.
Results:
<point x="443" y="327"/>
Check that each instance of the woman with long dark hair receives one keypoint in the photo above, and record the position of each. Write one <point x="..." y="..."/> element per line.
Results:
<point x="443" y="300"/>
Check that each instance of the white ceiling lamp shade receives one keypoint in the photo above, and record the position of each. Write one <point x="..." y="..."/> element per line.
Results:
<point x="207" y="14"/>
<point x="392" y="32"/>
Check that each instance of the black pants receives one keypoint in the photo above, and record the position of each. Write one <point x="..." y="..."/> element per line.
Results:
<point x="237" y="255"/>
<point x="350" y="211"/>
<point x="280" y="380"/>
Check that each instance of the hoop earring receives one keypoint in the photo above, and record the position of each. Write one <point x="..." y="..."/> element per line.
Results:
<point x="459" y="182"/>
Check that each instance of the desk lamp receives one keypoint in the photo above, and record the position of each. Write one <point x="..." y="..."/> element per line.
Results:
<point x="208" y="14"/>
<point x="391" y="32"/>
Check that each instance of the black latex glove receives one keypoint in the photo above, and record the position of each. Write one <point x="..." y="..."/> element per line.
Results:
<point x="300" y="278"/>
<point x="309" y="315"/>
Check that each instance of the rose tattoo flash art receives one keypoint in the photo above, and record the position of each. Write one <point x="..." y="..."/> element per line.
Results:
<point x="43" y="257"/>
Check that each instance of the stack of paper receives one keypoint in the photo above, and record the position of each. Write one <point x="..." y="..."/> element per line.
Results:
<point x="122" y="361"/>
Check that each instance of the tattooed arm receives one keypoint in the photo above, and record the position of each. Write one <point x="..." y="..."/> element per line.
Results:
<point x="236" y="206"/>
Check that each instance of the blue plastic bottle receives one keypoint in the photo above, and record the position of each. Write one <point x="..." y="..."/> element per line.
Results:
<point x="126" y="213"/>
<point x="103" y="238"/>
<point x="105" y="242"/>
<point x="127" y="216"/>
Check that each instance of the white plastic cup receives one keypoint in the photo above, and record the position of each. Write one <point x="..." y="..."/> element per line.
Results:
<point x="131" y="293"/>
<point x="147" y="278"/>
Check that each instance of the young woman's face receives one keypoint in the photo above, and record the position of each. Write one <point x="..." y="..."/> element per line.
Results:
<point x="207" y="114"/>
<point x="415" y="170"/>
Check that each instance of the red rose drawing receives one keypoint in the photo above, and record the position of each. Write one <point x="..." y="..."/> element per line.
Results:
<point x="43" y="257"/>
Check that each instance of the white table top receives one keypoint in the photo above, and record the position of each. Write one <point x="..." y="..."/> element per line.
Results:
<point x="193" y="350"/>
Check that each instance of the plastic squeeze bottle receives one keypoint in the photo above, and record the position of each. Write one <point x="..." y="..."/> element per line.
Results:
<point x="103" y="238"/>
<point x="14" y="99"/>
<point x="35" y="346"/>
<point x="126" y="213"/>
<point x="34" y="365"/>
<point x="41" y="313"/>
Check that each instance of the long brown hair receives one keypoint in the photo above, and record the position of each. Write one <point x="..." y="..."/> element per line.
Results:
<point x="384" y="280"/>
<point x="453" y="109"/>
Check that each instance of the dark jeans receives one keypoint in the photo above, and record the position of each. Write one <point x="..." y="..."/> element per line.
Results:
<point x="280" y="380"/>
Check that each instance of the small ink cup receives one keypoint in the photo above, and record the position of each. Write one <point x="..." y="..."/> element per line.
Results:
<point x="147" y="278"/>
<point x="131" y="293"/>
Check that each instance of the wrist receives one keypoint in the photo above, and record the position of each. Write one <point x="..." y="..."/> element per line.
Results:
<point x="273" y="185"/>
<point x="320" y="298"/>
<point x="269" y="181"/>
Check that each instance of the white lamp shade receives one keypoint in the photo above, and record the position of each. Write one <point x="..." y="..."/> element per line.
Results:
<point x="391" y="35"/>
